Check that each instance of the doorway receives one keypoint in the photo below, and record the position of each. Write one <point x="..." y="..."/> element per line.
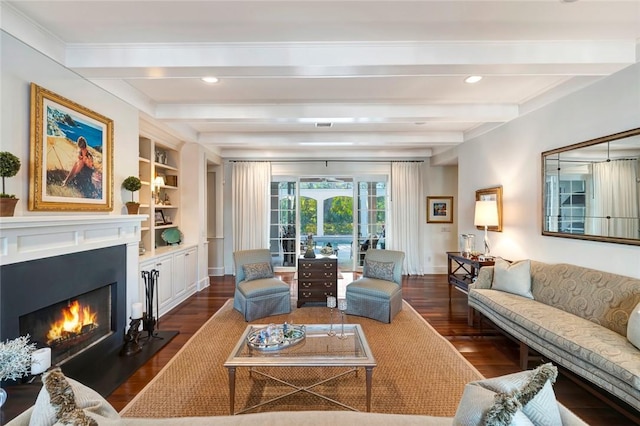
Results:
<point x="340" y="215"/>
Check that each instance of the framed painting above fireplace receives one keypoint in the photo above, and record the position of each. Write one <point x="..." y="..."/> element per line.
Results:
<point x="71" y="159"/>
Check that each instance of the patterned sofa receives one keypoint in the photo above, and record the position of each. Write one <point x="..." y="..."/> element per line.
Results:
<point x="577" y="318"/>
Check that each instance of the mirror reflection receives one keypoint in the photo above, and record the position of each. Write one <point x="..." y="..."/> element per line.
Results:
<point x="591" y="190"/>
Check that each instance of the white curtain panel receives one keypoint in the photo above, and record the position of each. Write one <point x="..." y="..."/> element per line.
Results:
<point x="250" y="182"/>
<point x="615" y="194"/>
<point x="405" y="215"/>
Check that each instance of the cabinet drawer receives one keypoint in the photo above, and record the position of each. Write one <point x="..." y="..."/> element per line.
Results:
<point x="315" y="295"/>
<point x="316" y="285"/>
<point x="317" y="275"/>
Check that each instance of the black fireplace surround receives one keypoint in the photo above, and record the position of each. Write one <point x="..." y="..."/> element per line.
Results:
<point x="26" y="287"/>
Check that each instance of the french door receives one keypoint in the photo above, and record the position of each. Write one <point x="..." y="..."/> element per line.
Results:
<point x="344" y="214"/>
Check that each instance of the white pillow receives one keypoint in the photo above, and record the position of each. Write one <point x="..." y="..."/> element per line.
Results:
<point x="529" y="393"/>
<point x="513" y="277"/>
<point x="633" y="327"/>
<point x="85" y="398"/>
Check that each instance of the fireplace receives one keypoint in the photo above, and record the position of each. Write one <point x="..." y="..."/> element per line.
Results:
<point x="71" y="326"/>
<point x="44" y="297"/>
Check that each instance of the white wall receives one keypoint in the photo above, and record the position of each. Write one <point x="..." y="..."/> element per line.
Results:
<point x="22" y="65"/>
<point x="439" y="237"/>
<point x="510" y="156"/>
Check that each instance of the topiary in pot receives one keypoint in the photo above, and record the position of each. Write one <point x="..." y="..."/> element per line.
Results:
<point x="9" y="166"/>
<point x="133" y="184"/>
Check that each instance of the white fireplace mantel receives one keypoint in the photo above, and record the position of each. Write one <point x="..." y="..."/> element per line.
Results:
<point x="27" y="238"/>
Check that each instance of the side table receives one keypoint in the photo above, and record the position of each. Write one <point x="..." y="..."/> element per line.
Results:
<point x="463" y="270"/>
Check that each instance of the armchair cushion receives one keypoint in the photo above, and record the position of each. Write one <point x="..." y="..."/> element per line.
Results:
<point x="254" y="271"/>
<point x="379" y="270"/>
<point x="374" y="287"/>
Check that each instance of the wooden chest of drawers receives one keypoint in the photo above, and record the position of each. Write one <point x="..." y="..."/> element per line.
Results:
<point x="317" y="279"/>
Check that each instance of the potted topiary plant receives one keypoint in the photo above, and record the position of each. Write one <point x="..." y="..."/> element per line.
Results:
<point x="9" y="166"/>
<point x="132" y="183"/>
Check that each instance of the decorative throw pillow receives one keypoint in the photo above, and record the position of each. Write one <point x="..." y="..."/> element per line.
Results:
<point x="513" y="277"/>
<point x="521" y="398"/>
<point x="256" y="271"/>
<point x="379" y="270"/>
<point x="65" y="401"/>
<point x="633" y="327"/>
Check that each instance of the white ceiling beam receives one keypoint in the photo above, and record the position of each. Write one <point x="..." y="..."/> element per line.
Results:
<point x="343" y="113"/>
<point x="355" y="138"/>
<point x="320" y="56"/>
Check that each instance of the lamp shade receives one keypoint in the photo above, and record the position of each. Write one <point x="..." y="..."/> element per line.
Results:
<point x="158" y="181"/>
<point x="486" y="213"/>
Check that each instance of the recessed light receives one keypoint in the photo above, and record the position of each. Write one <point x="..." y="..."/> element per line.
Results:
<point x="210" y="80"/>
<point x="473" y="79"/>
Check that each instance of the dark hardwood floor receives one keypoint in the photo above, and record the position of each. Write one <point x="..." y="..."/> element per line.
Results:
<point x="489" y="351"/>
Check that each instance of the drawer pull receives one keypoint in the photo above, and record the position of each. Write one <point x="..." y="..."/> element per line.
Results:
<point x="328" y="265"/>
<point x="305" y="265"/>
<point x="306" y="274"/>
<point x="306" y="285"/>
<point x="328" y="285"/>
<point x="328" y="274"/>
<point x="328" y="293"/>
<point x="306" y="295"/>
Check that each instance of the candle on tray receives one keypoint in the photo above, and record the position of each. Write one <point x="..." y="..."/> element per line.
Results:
<point x="136" y="310"/>
<point x="331" y="302"/>
<point x="40" y="360"/>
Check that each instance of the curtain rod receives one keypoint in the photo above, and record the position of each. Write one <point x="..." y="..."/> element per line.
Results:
<point x="328" y="161"/>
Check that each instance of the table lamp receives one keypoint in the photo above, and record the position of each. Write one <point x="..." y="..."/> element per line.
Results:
<point x="158" y="182"/>
<point x="486" y="215"/>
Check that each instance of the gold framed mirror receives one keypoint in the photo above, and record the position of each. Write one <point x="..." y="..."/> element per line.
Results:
<point x="591" y="190"/>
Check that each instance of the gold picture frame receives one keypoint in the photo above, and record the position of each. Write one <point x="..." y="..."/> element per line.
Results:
<point x="440" y="209"/>
<point x="490" y="194"/>
<point x="71" y="158"/>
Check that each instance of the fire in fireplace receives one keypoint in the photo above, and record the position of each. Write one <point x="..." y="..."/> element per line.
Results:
<point x="70" y="326"/>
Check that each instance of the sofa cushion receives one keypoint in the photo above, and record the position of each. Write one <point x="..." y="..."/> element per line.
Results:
<point x="379" y="270"/>
<point x="633" y="327"/>
<point x="65" y="401"/>
<point x="523" y="398"/>
<point x="607" y="356"/>
<point x="256" y="271"/>
<point x="513" y="277"/>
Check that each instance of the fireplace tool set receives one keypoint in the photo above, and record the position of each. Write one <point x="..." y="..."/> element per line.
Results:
<point x="148" y="320"/>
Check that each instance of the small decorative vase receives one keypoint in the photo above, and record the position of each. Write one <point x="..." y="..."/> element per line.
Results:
<point x="3" y="397"/>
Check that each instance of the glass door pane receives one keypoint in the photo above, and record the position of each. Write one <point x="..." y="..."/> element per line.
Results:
<point x="370" y="217"/>
<point x="283" y="224"/>
<point x="326" y="214"/>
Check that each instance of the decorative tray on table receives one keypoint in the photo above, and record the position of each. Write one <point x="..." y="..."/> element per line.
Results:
<point x="274" y="337"/>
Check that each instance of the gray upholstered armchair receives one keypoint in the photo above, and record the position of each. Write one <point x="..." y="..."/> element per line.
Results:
<point x="378" y="294"/>
<point x="258" y="293"/>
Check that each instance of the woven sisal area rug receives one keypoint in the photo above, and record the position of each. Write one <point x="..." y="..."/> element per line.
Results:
<point x="418" y="372"/>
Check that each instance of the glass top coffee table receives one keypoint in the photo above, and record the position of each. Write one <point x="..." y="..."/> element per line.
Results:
<point x="318" y="349"/>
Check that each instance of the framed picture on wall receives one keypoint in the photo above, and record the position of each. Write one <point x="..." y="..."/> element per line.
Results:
<point x="440" y="209"/>
<point x="491" y="194"/>
<point x="71" y="159"/>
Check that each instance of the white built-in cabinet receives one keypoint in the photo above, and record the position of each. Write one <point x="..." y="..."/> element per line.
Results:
<point x="177" y="276"/>
<point x="168" y="207"/>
